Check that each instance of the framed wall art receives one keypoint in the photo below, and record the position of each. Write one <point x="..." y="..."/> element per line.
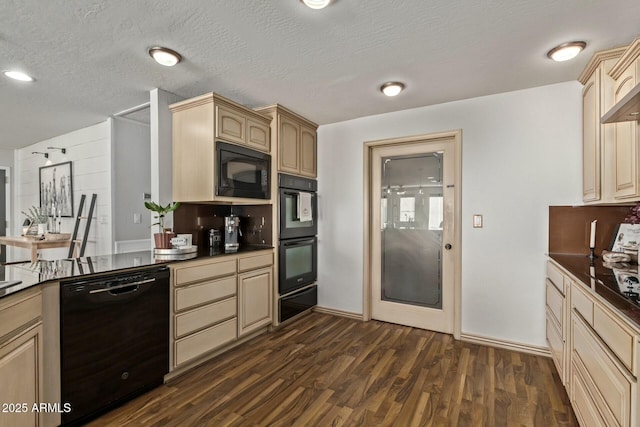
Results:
<point x="56" y="189"/>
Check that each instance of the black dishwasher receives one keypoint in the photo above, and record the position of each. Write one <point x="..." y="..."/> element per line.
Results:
<point x="114" y="339"/>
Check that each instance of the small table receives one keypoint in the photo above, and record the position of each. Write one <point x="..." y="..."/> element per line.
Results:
<point x="34" y="244"/>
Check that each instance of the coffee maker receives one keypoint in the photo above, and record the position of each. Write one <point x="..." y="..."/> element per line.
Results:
<point x="231" y="233"/>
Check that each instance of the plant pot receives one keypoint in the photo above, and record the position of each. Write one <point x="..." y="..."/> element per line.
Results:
<point x="42" y="228"/>
<point x="163" y="240"/>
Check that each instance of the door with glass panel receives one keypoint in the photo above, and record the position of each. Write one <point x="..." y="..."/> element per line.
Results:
<point x="412" y="234"/>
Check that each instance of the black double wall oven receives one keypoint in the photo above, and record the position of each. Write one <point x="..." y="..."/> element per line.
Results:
<point x="297" y="248"/>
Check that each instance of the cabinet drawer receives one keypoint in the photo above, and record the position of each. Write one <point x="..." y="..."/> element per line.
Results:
<point x="202" y="293"/>
<point x="613" y="388"/>
<point x="582" y="403"/>
<point x="251" y="263"/>
<point x="556" y="346"/>
<point x="202" y="317"/>
<point x="582" y="303"/>
<point x="195" y="345"/>
<point x="555" y="302"/>
<point x="205" y="271"/>
<point x="19" y="309"/>
<point x="617" y="338"/>
<point x="556" y="277"/>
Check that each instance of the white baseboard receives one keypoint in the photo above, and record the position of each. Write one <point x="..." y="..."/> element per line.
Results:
<point x="475" y="339"/>
<point x="124" y="246"/>
<point x="334" y="312"/>
<point x="508" y="345"/>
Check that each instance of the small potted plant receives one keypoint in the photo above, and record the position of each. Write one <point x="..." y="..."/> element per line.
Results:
<point x="164" y="235"/>
<point x="37" y="217"/>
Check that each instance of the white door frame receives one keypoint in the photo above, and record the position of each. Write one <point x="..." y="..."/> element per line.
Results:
<point x="456" y="135"/>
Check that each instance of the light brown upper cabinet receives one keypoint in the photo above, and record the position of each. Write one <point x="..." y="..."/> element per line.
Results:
<point x="296" y="139"/>
<point x="197" y="124"/>
<point x="598" y="139"/>
<point x="627" y="154"/>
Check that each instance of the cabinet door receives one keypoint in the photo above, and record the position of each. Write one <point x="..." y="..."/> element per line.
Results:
<point x="230" y="125"/>
<point x="289" y="146"/>
<point x="591" y="139"/>
<point x="307" y="151"/>
<point x="258" y="135"/>
<point x="254" y="300"/>
<point x="21" y="378"/>
<point x="626" y="149"/>
<point x="193" y="154"/>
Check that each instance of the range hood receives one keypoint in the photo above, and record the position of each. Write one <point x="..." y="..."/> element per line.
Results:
<point x="625" y="110"/>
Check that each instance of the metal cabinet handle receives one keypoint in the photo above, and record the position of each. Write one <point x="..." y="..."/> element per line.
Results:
<point x="448" y="246"/>
<point x="113" y="288"/>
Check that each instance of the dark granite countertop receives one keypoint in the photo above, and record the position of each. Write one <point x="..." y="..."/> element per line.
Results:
<point x="617" y="286"/>
<point x="18" y="276"/>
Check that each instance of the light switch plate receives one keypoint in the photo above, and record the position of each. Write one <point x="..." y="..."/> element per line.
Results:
<point x="477" y="221"/>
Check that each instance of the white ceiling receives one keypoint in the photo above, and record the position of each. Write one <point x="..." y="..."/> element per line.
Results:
<point x="90" y="60"/>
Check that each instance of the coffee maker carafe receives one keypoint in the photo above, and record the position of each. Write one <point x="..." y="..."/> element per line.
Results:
<point x="231" y="233"/>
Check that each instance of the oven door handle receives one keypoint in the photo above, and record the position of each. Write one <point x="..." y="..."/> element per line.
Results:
<point x="300" y="242"/>
<point x="125" y="285"/>
<point x="297" y="193"/>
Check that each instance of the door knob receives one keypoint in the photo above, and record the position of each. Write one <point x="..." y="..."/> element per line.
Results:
<point x="448" y="246"/>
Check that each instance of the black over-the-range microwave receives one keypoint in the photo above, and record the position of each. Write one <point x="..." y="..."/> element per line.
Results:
<point x="242" y="172"/>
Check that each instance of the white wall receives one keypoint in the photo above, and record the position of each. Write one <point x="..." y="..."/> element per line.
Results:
<point x="161" y="150"/>
<point x="6" y="163"/>
<point x="521" y="153"/>
<point x="90" y="151"/>
<point x="131" y="178"/>
<point x="6" y="157"/>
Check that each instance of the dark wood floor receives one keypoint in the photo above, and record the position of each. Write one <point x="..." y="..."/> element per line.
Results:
<point x="329" y="371"/>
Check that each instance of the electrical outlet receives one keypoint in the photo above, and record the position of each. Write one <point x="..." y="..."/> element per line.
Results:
<point x="137" y="218"/>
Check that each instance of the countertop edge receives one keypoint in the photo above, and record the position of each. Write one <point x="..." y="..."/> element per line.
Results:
<point x="200" y="255"/>
<point x="581" y="278"/>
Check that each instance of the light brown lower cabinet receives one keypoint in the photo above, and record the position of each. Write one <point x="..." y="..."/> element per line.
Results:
<point x="557" y="289"/>
<point x="254" y="300"/>
<point x="583" y="405"/>
<point x="21" y="358"/>
<point x="601" y="352"/>
<point x="609" y="384"/>
<point x="21" y="378"/>
<point x="217" y="301"/>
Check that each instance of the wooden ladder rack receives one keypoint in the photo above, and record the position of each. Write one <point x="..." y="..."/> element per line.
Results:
<point x="74" y="236"/>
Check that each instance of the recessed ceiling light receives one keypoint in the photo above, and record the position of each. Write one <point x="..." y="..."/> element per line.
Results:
<point x="316" y="4"/>
<point x="566" y="51"/>
<point x="392" y="88"/>
<point x="17" y="75"/>
<point x="165" y="56"/>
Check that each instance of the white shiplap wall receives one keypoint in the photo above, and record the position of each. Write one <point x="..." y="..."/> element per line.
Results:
<point x="89" y="150"/>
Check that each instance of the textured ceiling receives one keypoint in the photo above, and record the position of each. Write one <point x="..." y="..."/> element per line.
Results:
<point x="90" y="60"/>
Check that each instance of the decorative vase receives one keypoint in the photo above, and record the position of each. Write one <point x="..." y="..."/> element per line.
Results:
<point x="42" y="228"/>
<point x="163" y="240"/>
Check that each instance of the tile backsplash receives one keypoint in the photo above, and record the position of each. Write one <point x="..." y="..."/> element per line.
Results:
<point x="198" y="218"/>
<point x="569" y="227"/>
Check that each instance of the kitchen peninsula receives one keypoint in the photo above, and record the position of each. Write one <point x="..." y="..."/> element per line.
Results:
<point x="215" y="301"/>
